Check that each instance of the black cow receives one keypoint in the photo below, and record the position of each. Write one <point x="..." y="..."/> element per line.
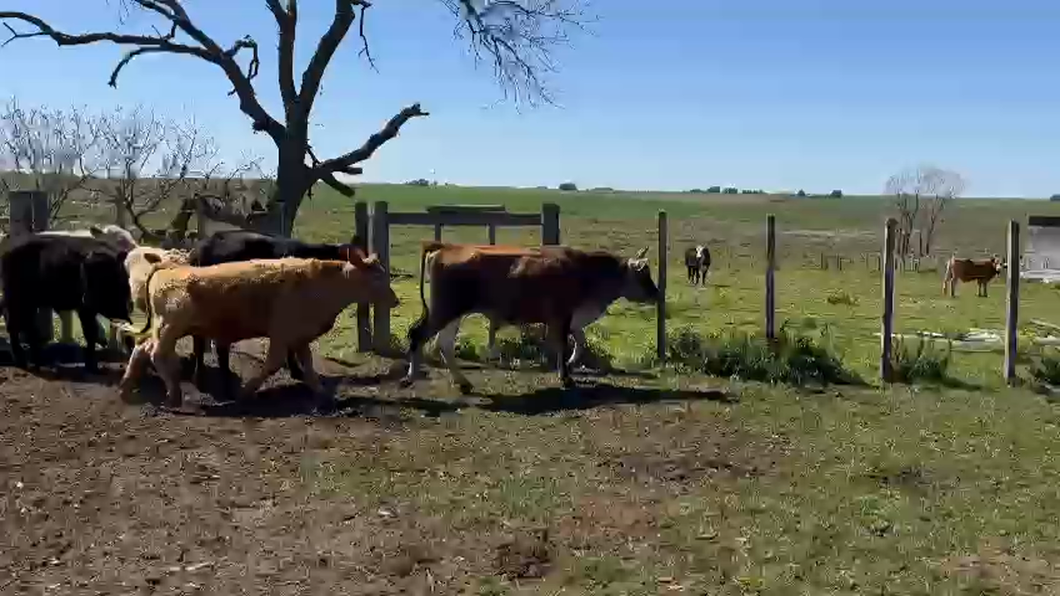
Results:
<point x="61" y="273"/>
<point x="243" y="245"/>
<point x="697" y="261"/>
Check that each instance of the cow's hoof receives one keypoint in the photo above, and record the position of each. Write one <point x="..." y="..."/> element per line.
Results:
<point x="465" y="388"/>
<point x="568" y="383"/>
<point x="405" y="382"/>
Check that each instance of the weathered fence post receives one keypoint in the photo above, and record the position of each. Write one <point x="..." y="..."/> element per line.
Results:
<point x="771" y="264"/>
<point x="660" y="313"/>
<point x="29" y="213"/>
<point x="437" y="232"/>
<point x="381" y="247"/>
<point x="1013" y="301"/>
<point x="550" y="224"/>
<point x="364" y="323"/>
<point x="491" y="340"/>
<point x="886" y="346"/>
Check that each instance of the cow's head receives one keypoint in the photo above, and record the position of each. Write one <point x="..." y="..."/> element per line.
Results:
<point x="999" y="264"/>
<point x="700" y="249"/>
<point x="105" y="284"/>
<point x="116" y="236"/>
<point x="373" y="280"/>
<point x="637" y="285"/>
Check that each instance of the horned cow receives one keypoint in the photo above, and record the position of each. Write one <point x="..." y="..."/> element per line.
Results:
<point x="241" y="300"/>
<point x="562" y="287"/>
<point x="966" y="270"/>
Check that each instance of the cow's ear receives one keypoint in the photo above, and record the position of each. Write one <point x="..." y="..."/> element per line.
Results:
<point x="95" y="230"/>
<point x="152" y="258"/>
<point x="640" y="253"/>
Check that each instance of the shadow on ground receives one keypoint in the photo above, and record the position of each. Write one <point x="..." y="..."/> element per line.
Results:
<point x="557" y="399"/>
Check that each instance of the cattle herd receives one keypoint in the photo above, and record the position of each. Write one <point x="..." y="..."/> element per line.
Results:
<point x="236" y="285"/>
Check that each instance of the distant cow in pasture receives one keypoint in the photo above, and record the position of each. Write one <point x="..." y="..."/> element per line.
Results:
<point x="228" y="246"/>
<point x="290" y="301"/>
<point x="697" y="262"/>
<point x="61" y="273"/>
<point x="966" y="270"/>
<point x="564" y="288"/>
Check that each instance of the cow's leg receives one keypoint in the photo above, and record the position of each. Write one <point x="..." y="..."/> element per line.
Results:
<point x="274" y="360"/>
<point x="91" y="332"/>
<point x="494" y="354"/>
<point x="294" y="365"/>
<point x="559" y="330"/>
<point x="581" y="319"/>
<point x="141" y="355"/>
<point x="13" y="319"/>
<point x="199" y="360"/>
<point x="419" y="334"/>
<point x="224" y="351"/>
<point x="447" y="346"/>
<point x="33" y="336"/>
<point x="304" y="355"/>
<point x="164" y="357"/>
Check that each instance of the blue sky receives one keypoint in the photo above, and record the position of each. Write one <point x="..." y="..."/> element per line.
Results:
<point x="773" y="94"/>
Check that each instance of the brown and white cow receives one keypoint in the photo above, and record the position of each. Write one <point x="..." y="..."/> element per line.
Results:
<point x="966" y="270"/>
<point x="562" y="287"/>
<point x="291" y="301"/>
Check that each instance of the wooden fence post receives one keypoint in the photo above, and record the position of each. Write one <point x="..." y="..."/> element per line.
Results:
<point x="550" y="224"/>
<point x="29" y="213"/>
<point x="491" y="341"/>
<point x="381" y="247"/>
<point x="1012" y="302"/>
<point x="771" y="264"/>
<point x="364" y="323"/>
<point x="886" y="362"/>
<point x="660" y="313"/>
<point x="437" y="232"/>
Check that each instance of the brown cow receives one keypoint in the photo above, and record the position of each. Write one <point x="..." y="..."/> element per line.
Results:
<point x="291" y="301"/>
<point x="966" y="270"/>
<point x="562" y="287"/>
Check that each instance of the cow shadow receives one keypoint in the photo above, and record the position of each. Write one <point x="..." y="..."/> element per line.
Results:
<point x="288" y="398"/>
<point x="587" y="396"/>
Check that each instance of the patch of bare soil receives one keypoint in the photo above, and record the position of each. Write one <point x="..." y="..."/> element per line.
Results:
<point x="100" y="496"/>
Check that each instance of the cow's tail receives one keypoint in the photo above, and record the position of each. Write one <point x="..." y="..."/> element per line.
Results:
<point x="147" y="301"/>
<point x="428" y="248"/>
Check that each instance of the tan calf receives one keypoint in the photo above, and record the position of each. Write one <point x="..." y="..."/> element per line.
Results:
<point x="142" y="261"/>
<point x="290" y="301"/>
<point x="966" y="270"/>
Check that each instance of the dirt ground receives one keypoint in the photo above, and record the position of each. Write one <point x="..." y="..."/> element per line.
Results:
<point x="100" y="496"/>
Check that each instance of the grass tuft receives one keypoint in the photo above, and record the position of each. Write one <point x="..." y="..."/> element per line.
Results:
<point x="795" y="358"/>
<point x="924" y="363"/>
<point x="1046" y="368"/>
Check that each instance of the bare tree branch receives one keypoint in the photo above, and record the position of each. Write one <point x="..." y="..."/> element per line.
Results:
<point x="518" y="37"/>
<point x="325" y="51"/>
<point x="393" y="126"/>
<point x="207" y="49"/>
<point x="286" y="21"/>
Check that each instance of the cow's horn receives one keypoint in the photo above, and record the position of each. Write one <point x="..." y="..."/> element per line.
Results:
<point x="640" y="253"/>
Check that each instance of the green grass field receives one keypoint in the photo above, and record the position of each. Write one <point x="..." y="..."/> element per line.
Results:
<point x="894" y="490"/>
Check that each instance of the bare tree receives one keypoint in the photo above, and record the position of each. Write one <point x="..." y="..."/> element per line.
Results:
<point x="52" y="150"/>
<point x="152" y="163"/>
<point x="921" y="195"/>
<point x="516" y="35"/>
<point x="949" y="186"/>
